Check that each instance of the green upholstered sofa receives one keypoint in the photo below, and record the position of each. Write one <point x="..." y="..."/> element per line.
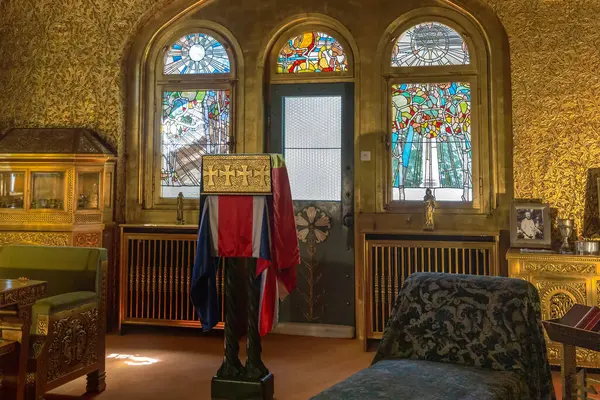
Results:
<point x="457" y="337"/>
<point x="68" y="326"/>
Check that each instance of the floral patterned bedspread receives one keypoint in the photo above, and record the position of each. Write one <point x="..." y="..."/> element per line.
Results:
<point x="458" y="337"/>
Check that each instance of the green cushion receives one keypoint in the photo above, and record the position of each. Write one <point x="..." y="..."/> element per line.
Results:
<point x="61" y="302"/>
<point x="66" y="269"/>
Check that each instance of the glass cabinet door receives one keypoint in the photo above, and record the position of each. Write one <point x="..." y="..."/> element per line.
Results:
<point x="47" y="190"/>
<point x="88" y="189"/>
<point x="12" y="187"/>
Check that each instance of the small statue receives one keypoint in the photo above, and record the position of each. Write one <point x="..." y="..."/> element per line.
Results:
<point x="180" y="220"/>
<point x="429" y="201"/>
<point x="93" y="198"/>
<point x="83" y="201"/>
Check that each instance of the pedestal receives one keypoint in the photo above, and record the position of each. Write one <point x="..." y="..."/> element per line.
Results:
<point x="228" y="389"/>
<point x="234" y="381"/>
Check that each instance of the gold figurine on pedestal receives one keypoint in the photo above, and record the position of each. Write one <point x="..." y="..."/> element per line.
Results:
<point x="180" y="220"/>
<point x="429" y="201"/>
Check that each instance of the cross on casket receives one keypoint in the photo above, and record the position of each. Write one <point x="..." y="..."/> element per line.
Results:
<point x="236" y="174"/>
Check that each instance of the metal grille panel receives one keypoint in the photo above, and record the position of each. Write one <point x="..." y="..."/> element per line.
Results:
<point x="156" y="273"/>
<point x="390" y="262"/>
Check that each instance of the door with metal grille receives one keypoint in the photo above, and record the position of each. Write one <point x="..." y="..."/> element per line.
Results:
<point x="312" y="125"/>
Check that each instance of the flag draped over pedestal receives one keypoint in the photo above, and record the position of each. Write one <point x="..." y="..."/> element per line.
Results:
<point x="262" y="227"/>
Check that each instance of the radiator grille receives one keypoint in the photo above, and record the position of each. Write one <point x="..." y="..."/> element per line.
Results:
<point x="391" y="262"/>
<point x="155" y="281"/>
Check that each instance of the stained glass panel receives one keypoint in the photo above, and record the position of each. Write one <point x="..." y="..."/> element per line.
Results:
<point x="431" y="141"/>
<point x="430" y="44"/>
<point x="312" y="52"/>
<point x="196" y="53"/>
<point x="193" y="123"/>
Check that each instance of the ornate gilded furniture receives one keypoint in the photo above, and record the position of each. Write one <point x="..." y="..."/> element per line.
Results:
<point x="438" y="344"/>
<point x="562" y="280"/>
<point x="55" y="187"/>
<point x="16" y="300"/>
<point x="390" y="259"/>
<point x="155" y="275"/>
<point x="67" y="328"/>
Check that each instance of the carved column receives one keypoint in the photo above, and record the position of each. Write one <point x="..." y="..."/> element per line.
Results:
<point x="255" y="368"/>
<point x="231" y="367"/>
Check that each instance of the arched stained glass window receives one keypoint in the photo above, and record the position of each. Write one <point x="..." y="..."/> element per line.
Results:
<point x="430" y="44"/>
<point x="194" y="121"/>
<point x="196" y="53"/>
<point x="431" y="122"/>
<point x="312" y="52"/>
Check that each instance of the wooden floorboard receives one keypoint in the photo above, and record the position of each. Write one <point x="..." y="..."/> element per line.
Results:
<point x="303" y="366"/>
<point x="179" y="366"/>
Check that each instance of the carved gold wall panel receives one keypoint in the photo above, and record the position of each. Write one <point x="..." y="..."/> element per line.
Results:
<point x="89" y="239"/>
<point x="557" y="295"/>
<point x="563" y="268"/>
<point x="561" y="281"/>
<point x="82" y="219"/>
<point x="40" y="238"/>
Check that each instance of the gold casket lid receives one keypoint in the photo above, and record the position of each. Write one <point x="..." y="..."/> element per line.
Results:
<point x="63" y="141"/>
<point x="236" y="174"/>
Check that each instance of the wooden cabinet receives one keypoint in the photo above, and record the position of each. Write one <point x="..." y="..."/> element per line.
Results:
<point x="562" y="281"/>
<point x="56" y="187"/>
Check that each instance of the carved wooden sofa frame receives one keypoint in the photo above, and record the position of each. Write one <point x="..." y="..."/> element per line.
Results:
<point x="68" y="345"/>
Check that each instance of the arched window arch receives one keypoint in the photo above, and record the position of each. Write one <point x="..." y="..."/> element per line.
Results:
<point x="311" y="53"/>
<point x="437" y="107"/>
<point x="430" y="44"/>
<point x="194" y="97"/>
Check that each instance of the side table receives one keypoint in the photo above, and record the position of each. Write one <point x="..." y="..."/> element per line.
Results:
<point x="16" y="299"/>
<point x="575" y="385"/>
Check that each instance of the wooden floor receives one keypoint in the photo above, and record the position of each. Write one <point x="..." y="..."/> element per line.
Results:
<point x="178" y="365"/>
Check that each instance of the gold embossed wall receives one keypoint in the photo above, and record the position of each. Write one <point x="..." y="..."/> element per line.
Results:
<point x="555" y="56"/>
<point x="61" y="65"/>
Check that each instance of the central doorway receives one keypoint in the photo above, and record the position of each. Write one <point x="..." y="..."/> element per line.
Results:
<point x="312" y="126"/>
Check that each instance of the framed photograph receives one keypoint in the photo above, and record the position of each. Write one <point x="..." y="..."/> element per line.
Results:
<point x="530" y="225"/>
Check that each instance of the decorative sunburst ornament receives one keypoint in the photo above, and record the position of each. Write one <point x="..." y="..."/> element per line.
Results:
<point x="312" y="224"/>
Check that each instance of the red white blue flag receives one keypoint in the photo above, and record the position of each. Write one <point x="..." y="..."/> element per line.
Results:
<point x="239" y="227"/>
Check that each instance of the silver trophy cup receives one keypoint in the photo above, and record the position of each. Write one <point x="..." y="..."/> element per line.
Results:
<point x="566" y="229"/>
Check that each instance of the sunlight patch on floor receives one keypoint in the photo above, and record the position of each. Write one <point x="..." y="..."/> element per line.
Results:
<point x="130" y="359"/>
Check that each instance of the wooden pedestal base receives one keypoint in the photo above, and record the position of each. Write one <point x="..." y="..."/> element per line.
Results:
<point x="227" y="389"/>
